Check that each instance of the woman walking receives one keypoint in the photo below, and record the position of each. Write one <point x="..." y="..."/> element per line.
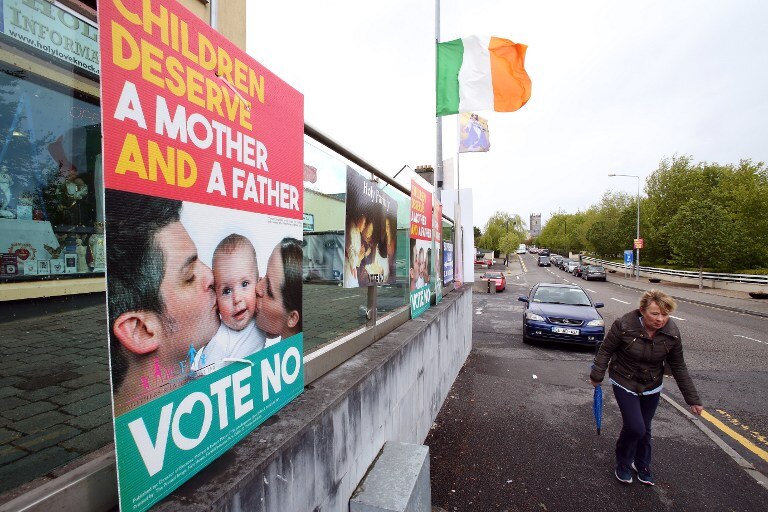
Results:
<point x="637" y="346"/>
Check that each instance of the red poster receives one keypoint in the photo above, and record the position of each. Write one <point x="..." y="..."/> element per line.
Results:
<point x="191" y="116"/>
<point x="421" y="212"/>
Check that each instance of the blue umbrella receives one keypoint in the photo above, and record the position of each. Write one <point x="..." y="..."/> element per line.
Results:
<point x="597" y="407"/>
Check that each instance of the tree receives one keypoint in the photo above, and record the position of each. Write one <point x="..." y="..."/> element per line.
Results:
<point x="478" y="234"/>
<point x="700" y="234"/>
<point x="497" y="227"/>
<point x="510" y="242"/>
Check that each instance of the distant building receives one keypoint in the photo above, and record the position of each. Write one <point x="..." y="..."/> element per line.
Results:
<point x="535" y="224"/>
<point x="427" y="172"/>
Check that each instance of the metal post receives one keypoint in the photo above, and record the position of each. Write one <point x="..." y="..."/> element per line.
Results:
<point x="214" y="8"/>
<point x="439" y="121"/>
<point x="371" y="314"/>
<point x="637" y="249"/>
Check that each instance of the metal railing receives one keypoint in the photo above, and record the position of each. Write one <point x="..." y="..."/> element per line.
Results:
<point x="691" y="274"/>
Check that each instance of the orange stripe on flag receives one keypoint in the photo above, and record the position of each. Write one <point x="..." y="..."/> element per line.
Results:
<point x="511" y="83"/>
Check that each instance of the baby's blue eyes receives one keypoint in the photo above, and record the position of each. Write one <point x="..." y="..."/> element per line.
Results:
<point x="228" y="291"/>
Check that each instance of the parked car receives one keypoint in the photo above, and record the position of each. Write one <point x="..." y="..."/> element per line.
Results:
<point x="496" y="277"/>
<point x="544" y="252"/>
<point x="544" y="261"/>
<point x="556" y="259"/>
<point x="561" y="313"/>
<point x="570" y="266"/>
<point x="562" y="263"/>
<point x="579" y="270"/>
<point x="596" y="272"/>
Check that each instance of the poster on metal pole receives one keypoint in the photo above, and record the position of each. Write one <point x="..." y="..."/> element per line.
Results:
<point x="421" y="247"/>
<point x="370" y="239"/>
<point x="203" y="167"/>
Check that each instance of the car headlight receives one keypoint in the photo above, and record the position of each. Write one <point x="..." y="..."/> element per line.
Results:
<point x="534" y="316"/>
<point x="596" y="323"/>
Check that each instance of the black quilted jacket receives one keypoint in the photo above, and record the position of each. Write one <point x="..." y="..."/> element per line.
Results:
<point x="637" y="362"/>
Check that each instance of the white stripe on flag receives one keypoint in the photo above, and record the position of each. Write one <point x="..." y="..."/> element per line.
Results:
<point x="475" y="86"/>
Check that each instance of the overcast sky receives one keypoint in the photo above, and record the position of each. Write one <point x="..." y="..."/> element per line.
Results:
<point x="617" y="86"/>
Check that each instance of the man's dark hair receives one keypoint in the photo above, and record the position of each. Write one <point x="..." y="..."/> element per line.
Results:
<point x="135" y="260"/>
<point x="292" y="255"/>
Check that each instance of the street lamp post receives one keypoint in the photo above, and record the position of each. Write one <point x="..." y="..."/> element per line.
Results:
<point x="637" y="249"/>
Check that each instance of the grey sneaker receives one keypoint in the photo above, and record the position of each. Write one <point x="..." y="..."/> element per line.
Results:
<point x="644" y="475"/>
<point x="623" y="474"/>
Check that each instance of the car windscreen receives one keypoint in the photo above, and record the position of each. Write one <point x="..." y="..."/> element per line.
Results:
<point x="493" y="275"/>
<point x="569" y="296"/>
<point x="596" y="267"/>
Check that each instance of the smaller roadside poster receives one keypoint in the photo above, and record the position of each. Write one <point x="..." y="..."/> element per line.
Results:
<point x="370" y="241"/>
<point x="421" y="247"/>
<point x="447" y="262"/>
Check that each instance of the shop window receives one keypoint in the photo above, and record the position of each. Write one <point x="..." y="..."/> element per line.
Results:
<point x="51" y="206"/>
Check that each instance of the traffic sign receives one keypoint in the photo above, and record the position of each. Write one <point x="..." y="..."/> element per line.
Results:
<point x="639" y="243"/>
<point x="628" y="257"/>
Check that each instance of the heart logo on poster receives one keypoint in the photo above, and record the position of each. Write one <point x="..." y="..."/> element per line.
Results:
<point x="22" y="254"/>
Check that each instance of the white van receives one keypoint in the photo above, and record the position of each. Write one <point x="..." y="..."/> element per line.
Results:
<point x="521" y="249"/>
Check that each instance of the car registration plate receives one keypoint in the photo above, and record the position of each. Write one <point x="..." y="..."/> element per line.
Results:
<point x="565" y="330"/>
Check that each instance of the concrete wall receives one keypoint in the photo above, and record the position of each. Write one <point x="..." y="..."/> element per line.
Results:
<point x="314" y="452"/>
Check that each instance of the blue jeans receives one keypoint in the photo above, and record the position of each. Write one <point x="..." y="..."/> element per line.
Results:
<point x="634" y="443"/>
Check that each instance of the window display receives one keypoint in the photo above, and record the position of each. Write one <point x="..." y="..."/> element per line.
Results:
<point x="51" y="212"/>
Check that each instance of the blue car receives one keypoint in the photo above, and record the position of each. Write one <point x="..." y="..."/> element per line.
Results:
<point x="562" y="313"/>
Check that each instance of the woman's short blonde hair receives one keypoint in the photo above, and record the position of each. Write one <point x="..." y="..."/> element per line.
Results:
<point x="666" y="303"/>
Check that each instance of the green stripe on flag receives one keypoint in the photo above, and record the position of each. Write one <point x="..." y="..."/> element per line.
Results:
<point x="449" y="58"/>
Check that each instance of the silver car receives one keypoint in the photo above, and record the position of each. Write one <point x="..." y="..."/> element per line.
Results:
<point x="596" y="272"/>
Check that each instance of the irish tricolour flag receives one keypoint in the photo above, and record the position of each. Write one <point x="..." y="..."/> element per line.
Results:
<point x="481" y="73"/>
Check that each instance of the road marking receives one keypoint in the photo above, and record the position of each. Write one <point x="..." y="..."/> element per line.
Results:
<point x="347" y="297"/>
<point x="736" y="423"/>
<point x="750" y="339"/>
<point x="743" y="441"/>
<point x="741" y="461"/>
<point x="593" y="291"/>
<point x="677" y="318"/>
<point x="617" y="300"/>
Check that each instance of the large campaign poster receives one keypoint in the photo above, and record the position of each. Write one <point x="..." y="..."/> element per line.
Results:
<point x="437" y="248"/>
<point x="203" y="167"/>
<point x="421" y="247"/>
<point x="370" y="241"/>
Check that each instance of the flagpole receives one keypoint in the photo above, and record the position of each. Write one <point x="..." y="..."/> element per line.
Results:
<point x="439" y="120"/>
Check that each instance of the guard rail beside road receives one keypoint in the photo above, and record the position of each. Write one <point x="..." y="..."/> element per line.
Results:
<point x="738" y="282"/>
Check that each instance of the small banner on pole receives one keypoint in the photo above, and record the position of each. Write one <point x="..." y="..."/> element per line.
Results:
<point x="473" y="134"/>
